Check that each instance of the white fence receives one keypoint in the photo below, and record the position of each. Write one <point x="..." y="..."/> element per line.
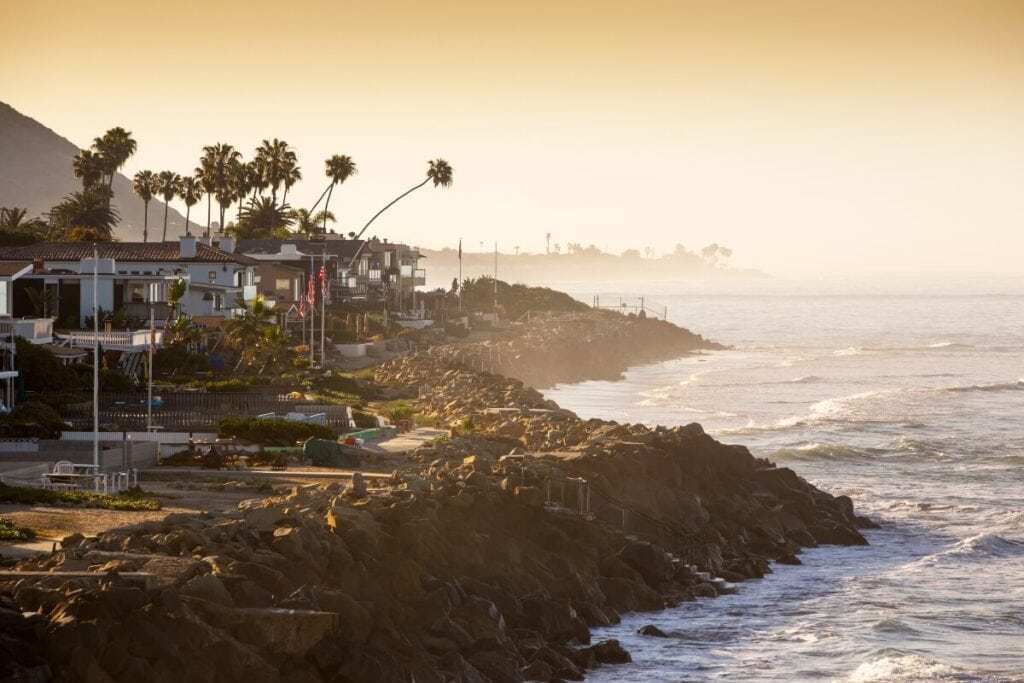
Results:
<point x="19" y="446"/>
<point x="160" y="437"/>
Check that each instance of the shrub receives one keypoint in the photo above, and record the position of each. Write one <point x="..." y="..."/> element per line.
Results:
<point x="228" y="385"/>
<point x="9" y="531"/>
<point x="363" y="419"/>
<point x="272" y="432"/>
<point x="32" y="420"/>
<point x="29" y="496"/>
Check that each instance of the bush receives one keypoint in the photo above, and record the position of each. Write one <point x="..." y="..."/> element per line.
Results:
<point x="363" y="419"/>
<point x="41" y="369"/>
<point x="228" y="385"/>
<point x="29" y="496"/>
<point x="114" y="380"/>
<point x="273" y="432"/>
<point x="9" y="531"/>
<point x="32" y="420"/>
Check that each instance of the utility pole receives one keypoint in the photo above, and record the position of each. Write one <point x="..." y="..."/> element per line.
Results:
<point x="323" y="304"/>
<point x="95" y="357"/>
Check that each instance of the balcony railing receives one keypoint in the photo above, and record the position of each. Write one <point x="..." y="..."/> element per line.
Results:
<point x="34" y="330"/>
<point x="133" y="339"/>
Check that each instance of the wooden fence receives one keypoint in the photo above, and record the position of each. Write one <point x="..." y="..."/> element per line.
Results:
<point x="195" y="411"/>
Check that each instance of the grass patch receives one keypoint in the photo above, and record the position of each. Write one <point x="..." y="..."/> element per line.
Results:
<point x="9" y="531"/>
<point x="29" y="496"/>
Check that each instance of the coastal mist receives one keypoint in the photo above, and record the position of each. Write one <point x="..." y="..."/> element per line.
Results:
<point x="907" y="396"/>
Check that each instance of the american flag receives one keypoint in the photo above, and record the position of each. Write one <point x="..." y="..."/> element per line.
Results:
<point x="323" y="281"/>
<point x="302" y="307"/>
<point x="311" y="291"/>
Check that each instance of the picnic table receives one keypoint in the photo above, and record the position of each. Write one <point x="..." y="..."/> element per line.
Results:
<point x="74" y="480"/>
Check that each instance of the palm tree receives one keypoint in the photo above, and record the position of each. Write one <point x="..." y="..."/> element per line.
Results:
<point x="245" y="331"/>
<point x="145" y="184"/>
<point x="243" y="179"/>
<point x="263" y="219"/>
<point x="308" y="224"/>
<point x="167" y="185"/>
<point x="274" y="157"/>
<point x="191" y="191"/>
<point x="439" y="171"/>
<point x="115" y="148"/>
<point x="338" y="168"/>
<point x="292" y="174"/>
<point x="175" y="293"/>
<point x="215" y="169"/>
<point x="88" y="166"/>
<point x="87" y="210"/>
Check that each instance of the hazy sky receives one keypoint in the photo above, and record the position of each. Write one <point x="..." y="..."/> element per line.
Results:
<point x="818" y="137"/>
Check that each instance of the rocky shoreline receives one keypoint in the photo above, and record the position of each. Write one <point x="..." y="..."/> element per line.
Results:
<point x="487" y="558"/>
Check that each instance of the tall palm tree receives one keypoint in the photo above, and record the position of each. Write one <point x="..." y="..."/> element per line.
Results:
<point x="191" y="191"/>
<point x="88" y="167"/>
<point x="292" y="174"/>
<point x="439" y="171"/>
<point x="274" y="158"/>
<point x="216" y="165"/>
<point x="115" y="148"/>
<point x="338" y="168"/>
<point x="243" y="179"/>
<point x="263" y="219"/>
<point x="167" y="184"/>
<point x="207" y="180"/>
<point x="145" y="184"/>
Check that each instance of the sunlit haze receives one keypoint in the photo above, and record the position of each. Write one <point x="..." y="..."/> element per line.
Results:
<point x="809" y="137"/>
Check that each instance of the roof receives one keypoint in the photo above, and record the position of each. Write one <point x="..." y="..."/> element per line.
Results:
<point x="344" y="249"/>
<point x="9" y="268"/>
<point x="121" y="251"/>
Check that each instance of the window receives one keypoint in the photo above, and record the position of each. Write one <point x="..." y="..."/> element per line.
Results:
<point x="137" y="293"/>
<point x="213" y="276"/>
<point x="282" y="284"/>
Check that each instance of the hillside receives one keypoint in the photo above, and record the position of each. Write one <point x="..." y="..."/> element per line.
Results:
<point x="35" y="173"/>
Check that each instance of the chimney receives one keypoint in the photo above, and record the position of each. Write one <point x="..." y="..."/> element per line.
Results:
<point x="187" y="247"/>
<point x="205" y="239"/>
<point x="227" y="243"/>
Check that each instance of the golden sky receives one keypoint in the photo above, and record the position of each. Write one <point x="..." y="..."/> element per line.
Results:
<point x="810" y="137"/>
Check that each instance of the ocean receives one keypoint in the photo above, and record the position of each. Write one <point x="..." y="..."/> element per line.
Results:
<point x="908" y="396"/>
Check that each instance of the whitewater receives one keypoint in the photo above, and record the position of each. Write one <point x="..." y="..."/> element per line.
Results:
<point x="906" y="395"/>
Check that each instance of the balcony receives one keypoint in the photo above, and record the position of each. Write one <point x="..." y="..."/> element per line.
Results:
<point x="161" y="310"/>
<point x="132" y="340"/>
<point x="33" y="330"/>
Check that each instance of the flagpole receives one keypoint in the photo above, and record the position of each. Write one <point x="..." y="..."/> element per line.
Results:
<point x="495" y="278"/>
<point x="149" y="369"/>
<point x="323" y="306"/>
<point x="460" y="275"/>
<point x="95" y="357"/>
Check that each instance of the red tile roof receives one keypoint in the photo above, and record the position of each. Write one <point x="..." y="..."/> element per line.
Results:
<point x="13" y="267"/>
<point x="121" y="251"/>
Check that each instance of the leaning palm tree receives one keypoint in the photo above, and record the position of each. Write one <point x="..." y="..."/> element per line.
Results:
<point x="338" y="168"/>
<point x="167" y="185"/>
<point x="439" y="171"/>
<point x="88" y="167"/>
<point x="292" y="174"/>
<point x="145" y="184"/>
<point x="191" y="191"/>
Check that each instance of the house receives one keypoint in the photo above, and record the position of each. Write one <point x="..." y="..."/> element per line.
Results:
<point x="359" y="270"/>
<point x="133" y="279"/>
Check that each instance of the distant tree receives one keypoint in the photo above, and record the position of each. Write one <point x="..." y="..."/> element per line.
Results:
<point x="648" y="251"/>
<point x="708" y="252"/>
<point x="292" y="174"/>
<point x="191" y="191"/>
<point x="145" y="184"/>
<point x="517" y="250"/>
<point x="15" y="221"/>
<point x="215" y="168"/>
<point x="310" y="224"/>
<point x="274" y="158"/>
<point x="167" y="184"/>
<point x="558" y="248"/>
<point x="439" y="171"/>
<point x="631" y="254"/>
<point x="547" y="246"/>
<point x="338" y="169"/>
<point x="726" y="254"/>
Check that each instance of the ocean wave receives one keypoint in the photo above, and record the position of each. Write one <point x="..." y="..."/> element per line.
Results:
<point x="950" y="345"/>
<point x="909" y="668"/>
<point x="807" y="379"/>
<point x="999" y="386"/>
<point x="984" y="547"/>
<point x="821" y="451"/>
<point x="849" y="351"/>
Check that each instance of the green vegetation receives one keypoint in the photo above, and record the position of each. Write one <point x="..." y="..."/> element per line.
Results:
<point x="515" y="300"/>
<point x="29" y="496"/>
<point x="32" y="420"/>
<point x="9" y="531"/>
<point x="275" y="432"/>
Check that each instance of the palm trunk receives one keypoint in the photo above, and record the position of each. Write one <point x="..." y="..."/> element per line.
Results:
<point x="284" y="197"/>
<point x="188" y="210"/>
<point x="166" y="205"/>
<point x="393" y="201"/>
<point x="327" y="205"/>
<point x="209" y="205"/>
<point x="145" y="222"/>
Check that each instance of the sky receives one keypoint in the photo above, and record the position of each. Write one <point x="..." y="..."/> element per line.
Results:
<point x="809" y="137"/>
